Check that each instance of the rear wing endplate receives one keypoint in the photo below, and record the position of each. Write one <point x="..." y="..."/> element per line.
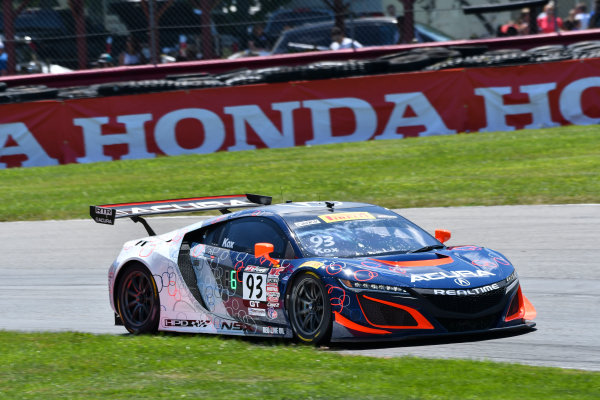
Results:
<point x="107" y="213"/>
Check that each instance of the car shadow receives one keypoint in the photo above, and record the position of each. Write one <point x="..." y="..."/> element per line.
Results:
<point x="369" y="345"/>
<point x="430" y="341"/>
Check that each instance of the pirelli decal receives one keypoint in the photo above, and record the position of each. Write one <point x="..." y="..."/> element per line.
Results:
<point x="349" y="216"/>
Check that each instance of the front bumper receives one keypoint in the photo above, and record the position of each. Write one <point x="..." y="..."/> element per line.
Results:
<point x="423" y="312"/>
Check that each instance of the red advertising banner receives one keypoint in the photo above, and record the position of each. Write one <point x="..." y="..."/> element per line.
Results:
<point x="300" y="113"/>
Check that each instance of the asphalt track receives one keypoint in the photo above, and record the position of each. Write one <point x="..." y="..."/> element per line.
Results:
<point x="54" y="278"/>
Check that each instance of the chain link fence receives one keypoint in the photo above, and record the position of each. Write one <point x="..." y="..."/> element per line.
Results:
<point x="48" y="36"/>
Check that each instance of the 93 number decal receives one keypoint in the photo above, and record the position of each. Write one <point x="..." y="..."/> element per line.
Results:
<point x="323" y="244"/>
<point x="255" y="286"/>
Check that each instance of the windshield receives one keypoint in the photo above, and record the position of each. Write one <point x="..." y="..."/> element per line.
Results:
<point x="430" y="34"/>
<point x="356" y="232"/>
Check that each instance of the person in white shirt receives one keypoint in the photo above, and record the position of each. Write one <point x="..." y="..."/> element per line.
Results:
<point x="582" y="15"/>
<point x="339" y="41"/>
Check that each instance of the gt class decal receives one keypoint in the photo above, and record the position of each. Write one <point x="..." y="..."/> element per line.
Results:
<point x="434" y="276"/>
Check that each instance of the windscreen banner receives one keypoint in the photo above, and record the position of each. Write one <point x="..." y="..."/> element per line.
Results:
<point x="277" y="115"/>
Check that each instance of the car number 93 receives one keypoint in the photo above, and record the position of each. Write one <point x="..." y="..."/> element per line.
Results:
<point x="323" y="244"/>
<point x="255" y="286"/>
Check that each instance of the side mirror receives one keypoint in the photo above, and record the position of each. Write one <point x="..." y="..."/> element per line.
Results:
<point x="442" y="235"/>
<point x="263" y="250"/>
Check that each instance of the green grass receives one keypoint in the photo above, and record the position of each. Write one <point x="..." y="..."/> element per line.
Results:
<point x="83" y="366"/>
<point x="547" y="166"/>
<point x="550" y="166"/>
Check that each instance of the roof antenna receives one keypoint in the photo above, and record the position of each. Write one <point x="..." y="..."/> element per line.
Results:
<point x="330" y="204"/>
<point x="281" y="191"/>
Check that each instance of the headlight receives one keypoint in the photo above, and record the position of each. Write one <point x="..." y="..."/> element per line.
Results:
<point x="373" y="287"/>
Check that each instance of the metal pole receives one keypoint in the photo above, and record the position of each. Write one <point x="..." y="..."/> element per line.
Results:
<point x="9" y="35"/>
<point x="352" y="26"/>
<point x="78" y="11"/>
<point x="408" y="27"/>
<point x="152" y="33"/>
<point x="104" y="13"/>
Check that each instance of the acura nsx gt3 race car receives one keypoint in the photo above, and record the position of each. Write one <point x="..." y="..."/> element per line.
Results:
<point x="317" y="271"/>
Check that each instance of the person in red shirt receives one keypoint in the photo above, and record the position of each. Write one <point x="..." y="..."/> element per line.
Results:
<point x="548" y="22"/>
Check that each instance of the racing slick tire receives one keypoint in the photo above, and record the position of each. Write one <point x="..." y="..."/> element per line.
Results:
<point x="309" y="309"/>
<point x="138" y="303"/>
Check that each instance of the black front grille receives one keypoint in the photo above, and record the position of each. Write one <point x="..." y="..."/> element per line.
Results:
<point x="385" y="315"/>
<point x="466" y="304"/>
<point x="471" y="324"/>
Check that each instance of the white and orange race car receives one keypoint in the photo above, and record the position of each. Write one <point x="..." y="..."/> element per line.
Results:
<point x="316" y="271"/>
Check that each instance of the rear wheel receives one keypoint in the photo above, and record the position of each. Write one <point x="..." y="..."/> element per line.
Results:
<point x="309" y="309"/>
<point x="137" y="300"/>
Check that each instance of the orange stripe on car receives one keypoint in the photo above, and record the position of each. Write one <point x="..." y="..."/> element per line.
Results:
<point x="419" y="263"/>
<point x="356" y="327"/>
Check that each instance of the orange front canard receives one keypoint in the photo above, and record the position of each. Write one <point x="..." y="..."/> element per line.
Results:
<point x="356" y="327"/>
<point x="419" y="263"/>
<point x="525" y="310"/>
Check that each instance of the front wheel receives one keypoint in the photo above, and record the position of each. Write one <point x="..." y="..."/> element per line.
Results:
<point x="137" y="300"/>
<point x="310" y="309"/>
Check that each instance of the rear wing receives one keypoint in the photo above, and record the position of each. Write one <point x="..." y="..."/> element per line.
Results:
<point x="107" y="213"/>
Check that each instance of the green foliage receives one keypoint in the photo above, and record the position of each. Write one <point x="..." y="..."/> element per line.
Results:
<point x="547" y="166"/>
<point x="84" y="366"/>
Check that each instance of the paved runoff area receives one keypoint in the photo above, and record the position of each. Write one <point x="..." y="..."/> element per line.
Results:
<point x="55" y="279"/>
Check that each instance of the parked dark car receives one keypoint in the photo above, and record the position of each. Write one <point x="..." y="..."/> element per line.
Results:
<point x="373" y="31"/>
<point x="29" y="62"/>
<point x="286" y="18"/>
<point x="52" y="32"/>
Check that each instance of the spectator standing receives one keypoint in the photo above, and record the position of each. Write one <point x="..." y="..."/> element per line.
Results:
<point x="391" y="10"/>
<point x="3" y="60"/>
<point x="132" y="54"/>
<point x="105" y="61"/>
<point x="549" y="22"/>
<point x="340" y="42"/>
<point x="258" y="41"/>
<point x="509" y="29"/>
<point x="595" y="16"/>
<point x="582" y="16"/>
<point x="523" y="22"/>
<point x="570" y="23"/>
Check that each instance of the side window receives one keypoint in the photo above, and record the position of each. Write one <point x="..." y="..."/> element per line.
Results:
<point x="317" y="37"/>
<point x="208" y="235"/>
<point x="242" y="234"/>
<point x="371" y="35"/>
<point x="213" y="234"/>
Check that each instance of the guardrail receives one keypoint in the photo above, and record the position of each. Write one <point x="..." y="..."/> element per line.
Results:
<point x="144" y="72"/>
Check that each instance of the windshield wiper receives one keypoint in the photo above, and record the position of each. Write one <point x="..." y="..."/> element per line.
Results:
<point x="427" y="248"/>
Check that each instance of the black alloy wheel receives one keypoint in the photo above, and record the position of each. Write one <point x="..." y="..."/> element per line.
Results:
<point x="310" y="309"/>
<point x="137" y="300"/>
